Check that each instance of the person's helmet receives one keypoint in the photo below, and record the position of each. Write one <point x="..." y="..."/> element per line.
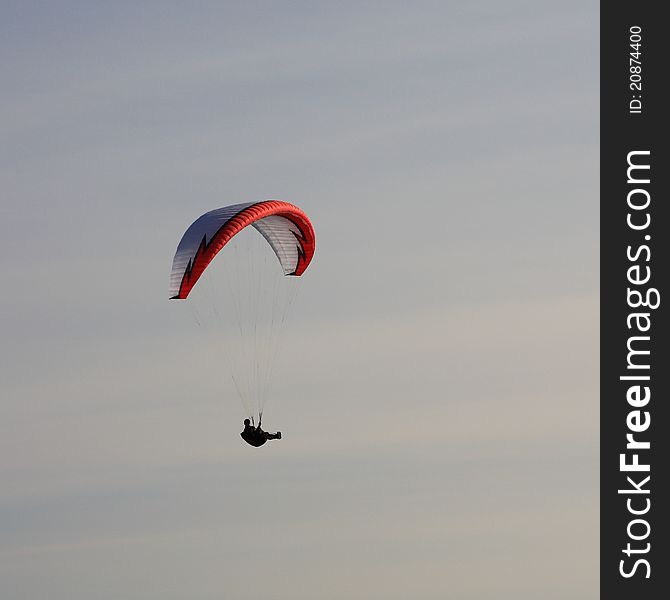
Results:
<point x="247" y="422"/>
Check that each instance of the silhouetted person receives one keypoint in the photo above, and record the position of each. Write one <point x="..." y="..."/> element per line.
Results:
<point x="255" y="436"/>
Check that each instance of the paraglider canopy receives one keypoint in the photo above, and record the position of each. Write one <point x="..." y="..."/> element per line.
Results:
<point x="285" y="227"/>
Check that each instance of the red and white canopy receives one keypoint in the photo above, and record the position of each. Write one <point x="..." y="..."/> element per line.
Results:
<point x="285" y="227"/>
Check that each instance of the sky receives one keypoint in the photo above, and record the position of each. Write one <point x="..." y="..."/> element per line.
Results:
<point x="441" y="432"/>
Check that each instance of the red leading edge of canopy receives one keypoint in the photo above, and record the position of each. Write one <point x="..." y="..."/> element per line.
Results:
<point x="209" y="249"/>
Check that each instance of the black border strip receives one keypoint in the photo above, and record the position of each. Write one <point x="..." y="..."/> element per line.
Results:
<point x="633" y="121"/>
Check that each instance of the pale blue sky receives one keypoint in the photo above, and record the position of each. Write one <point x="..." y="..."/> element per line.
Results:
<point x="442" y="441"/>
